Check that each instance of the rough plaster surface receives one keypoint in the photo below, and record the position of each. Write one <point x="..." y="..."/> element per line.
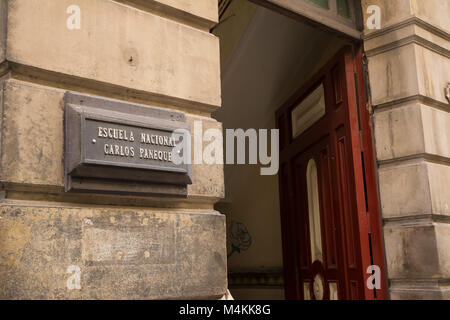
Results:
<point x="122" y="253"/>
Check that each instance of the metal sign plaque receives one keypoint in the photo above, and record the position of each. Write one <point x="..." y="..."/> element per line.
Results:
<point x="117" y="147"/>
<point x="115" y="144"/>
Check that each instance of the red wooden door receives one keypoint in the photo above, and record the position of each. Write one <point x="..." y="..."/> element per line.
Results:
<point x="327" y="187"/>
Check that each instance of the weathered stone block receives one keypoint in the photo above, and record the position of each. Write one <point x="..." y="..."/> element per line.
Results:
<point x="436" y="126"/>
<point x="412" y="252"/>
<point x="417" y="251"/>
<point x="208" y="178"/>
<point x="395" y="75"/>
<point x="443" y="246"/>
<point x="144" y="52"/>
<point x="399" y="132"/>
<point x="121" y="253"/>
<point x="405" y="190"/>
<point x="412" y="129"/>
<point x="33" y="132"/>
<point x="439" y="180"/>
<point x="414" y="190"/>
<point x="432" y="72"/>
<point x="408" y="71"/>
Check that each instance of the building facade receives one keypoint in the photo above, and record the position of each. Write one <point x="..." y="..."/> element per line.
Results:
<point x="357" y="89"/>
<point x="59" y="245"/>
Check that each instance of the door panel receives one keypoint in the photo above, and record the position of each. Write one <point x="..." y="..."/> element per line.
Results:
<point x="327" y="207"/>
<point x="325" y="226"/>
<point x="316" y="245"/>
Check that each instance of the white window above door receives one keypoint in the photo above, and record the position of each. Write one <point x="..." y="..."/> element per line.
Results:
<point x="341" y="15"/>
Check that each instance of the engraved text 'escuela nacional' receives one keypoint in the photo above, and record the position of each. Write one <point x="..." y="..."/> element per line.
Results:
<point x="146" y="139"/>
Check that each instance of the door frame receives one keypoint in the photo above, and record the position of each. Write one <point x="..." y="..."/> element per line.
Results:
<point x="363" y="166"/>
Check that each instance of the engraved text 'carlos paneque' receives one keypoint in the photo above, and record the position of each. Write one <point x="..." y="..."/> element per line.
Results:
<point x="147" y="139"/>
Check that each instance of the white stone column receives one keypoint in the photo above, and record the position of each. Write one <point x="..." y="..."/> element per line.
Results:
<point x="409" y="68"/>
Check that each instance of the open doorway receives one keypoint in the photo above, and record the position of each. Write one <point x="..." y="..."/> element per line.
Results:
<point x="267" y="58"/>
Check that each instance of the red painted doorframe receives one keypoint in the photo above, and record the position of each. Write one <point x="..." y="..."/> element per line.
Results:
<point x="367" y="148"/>
<point x="364" y="169"/>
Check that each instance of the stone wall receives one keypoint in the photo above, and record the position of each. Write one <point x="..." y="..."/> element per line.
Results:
<point x="157" y="53"/>
<point x="409" y="68"/>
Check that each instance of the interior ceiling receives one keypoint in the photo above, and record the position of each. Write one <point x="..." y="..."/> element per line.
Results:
<point x="272" y="59"/>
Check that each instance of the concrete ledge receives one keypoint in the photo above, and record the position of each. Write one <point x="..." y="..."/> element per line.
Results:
<point x="116" y="253"/>
<point x="202" y="14"/>
<point x="411" y="29"/>
<point x="412" y="289"/>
